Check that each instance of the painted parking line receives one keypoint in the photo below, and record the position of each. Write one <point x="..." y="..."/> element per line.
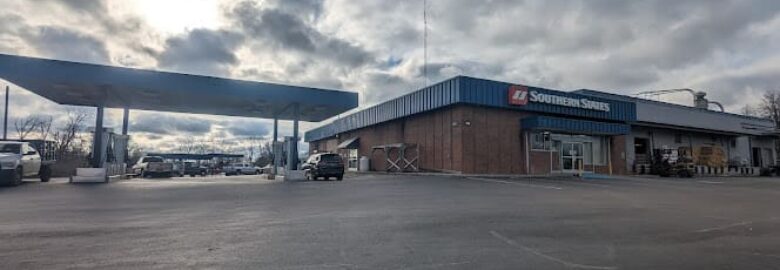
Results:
<point x="578" y="183"/>
<point x="513" y="183"/>
<point x="724" y="227"/>
<point x="710" y="182"/>
<point x="533" y="251"/>
<point x="736" y="224"/>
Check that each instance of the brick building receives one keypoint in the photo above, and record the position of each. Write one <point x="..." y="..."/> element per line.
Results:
<point x="476" y="126"/>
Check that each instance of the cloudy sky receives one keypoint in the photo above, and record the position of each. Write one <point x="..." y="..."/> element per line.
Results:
<point x="730" y="49"/>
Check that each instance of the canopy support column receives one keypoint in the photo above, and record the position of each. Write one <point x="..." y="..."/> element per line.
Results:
<point x="292" y="156"/>
<point x="97" y="144"/>
<point x="274" y="148"/>
<point x="125" y="121"/>
<point x="125" y="124"/>
<point x="5" y="116"/>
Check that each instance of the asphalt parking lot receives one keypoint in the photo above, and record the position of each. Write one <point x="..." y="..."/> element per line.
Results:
<point x="393" y="222"/>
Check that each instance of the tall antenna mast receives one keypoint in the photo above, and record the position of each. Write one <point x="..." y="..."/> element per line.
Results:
<point x="425" y="41"/>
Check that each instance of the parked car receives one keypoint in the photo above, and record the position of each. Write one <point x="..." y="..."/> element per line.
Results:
<point x="19" y="159"/>
<point x="192" y="169"/>
<point x="148" y="166"/>
<point x="324" y="165"/>
<point x="241" y="168"/>
<point x="178" y="169"/>
<point x="268" y="169"/>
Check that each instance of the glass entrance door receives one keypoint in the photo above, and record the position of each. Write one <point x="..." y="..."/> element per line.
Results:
<point x="572" y="156"/>
<point x="352" y="160"/>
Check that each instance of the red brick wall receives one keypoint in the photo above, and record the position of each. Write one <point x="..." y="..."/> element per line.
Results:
<point x="433" y="132"/>
<point x="540" y="162"/>
<point x="327" y="145"/>
<point x="492" y="142"/>
<point x="618" y="155"/>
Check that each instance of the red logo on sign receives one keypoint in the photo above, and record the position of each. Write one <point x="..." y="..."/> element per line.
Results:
<point x="518" y="95"/>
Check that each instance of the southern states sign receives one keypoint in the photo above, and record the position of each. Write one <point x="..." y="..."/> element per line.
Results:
<point x="519" y="95"/>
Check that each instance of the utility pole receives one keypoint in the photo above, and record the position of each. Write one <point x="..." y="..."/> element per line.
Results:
<point x="425" y="42"/>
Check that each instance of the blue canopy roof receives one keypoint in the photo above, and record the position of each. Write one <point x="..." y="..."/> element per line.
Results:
<point x="72" y="83"/>
<point x="194" y="156"/>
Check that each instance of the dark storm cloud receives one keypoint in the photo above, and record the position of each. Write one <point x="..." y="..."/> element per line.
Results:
<point x="98" y="11"/>
<point x="731" y="88"/>
<point x="163" y="124"/>
<point x="442" y="71"/>
<point x="308" y="10"/>
<point x="67" y="44"/>
<point x="706" y="28"/>
<point x="616" y="44"/>
<point x="286" y="31"/>
<point x="385" y="86"/>
<point x="247" y="128"/>
<point x="87" y="6"/>
<point x="687" y="34"/>
<point x="201" y="51"/>
<point x="83" y="41"/>
<point x="51" y="41"/>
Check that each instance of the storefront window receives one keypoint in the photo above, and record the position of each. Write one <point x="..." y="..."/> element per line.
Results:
<point x="599" y="151"/>
<point x="588" y="157"/>
<point x="538" y="141"/>
<point x="595" y="152"/>
<point x="352" y="160"/>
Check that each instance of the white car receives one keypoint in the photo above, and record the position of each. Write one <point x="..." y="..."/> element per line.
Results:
<point x="149" y="166"/>
<point x="241" y="168"/>
<point x="19" y="160"/>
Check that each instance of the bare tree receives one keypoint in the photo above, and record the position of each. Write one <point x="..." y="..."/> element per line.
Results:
<point x="134" y="152"/>
<point x="26" y="125"/>
<point x="186" y="145"/>
<point x="201" y="147"/>
<point x="265" y="155"/>
<point x="770" y="106"/>
<point x="44" y="127"/>
<point x="253" y="144"/>
<point x="70" y="132"/>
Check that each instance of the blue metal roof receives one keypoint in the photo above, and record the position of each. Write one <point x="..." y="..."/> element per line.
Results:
<point x="597" y="93"/>
<point x="72" y="83"/>
<point x="494" y="94"/>
<point x="467" y="90"/>
<point x="574" y="126"/>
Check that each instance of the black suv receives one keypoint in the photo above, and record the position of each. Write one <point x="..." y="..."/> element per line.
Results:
<point x="193" y="169"/>
<point x="324" y="165"/>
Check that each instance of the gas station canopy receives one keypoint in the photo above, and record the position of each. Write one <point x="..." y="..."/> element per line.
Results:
<point x="185" y="156"/>
<point x="71" y="83"/>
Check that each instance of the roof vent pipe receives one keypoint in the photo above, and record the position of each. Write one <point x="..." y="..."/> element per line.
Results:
<point x="699" y="98"/>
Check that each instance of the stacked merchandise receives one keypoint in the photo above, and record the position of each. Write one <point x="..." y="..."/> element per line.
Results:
<point x="712" y="156"/>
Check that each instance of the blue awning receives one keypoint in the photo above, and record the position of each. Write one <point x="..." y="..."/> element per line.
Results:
<point x="574" y="126"/>
<point x="353" y="143"/>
